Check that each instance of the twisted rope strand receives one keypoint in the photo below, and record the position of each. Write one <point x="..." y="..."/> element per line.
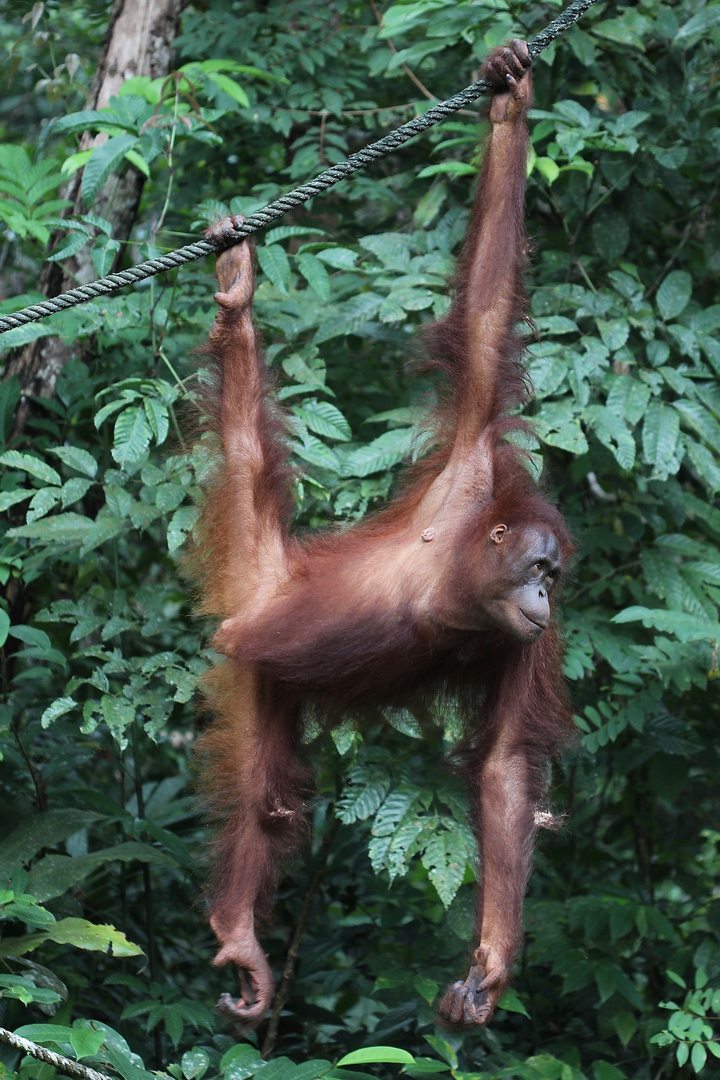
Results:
<point x="297" y="197"/>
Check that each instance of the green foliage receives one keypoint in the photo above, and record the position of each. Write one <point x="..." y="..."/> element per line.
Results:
<point x="24" y="207"/>
<point x="688" y="1028"/>
<point x="105" y="952"/>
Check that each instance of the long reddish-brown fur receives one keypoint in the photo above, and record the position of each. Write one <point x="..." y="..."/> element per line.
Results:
<point x="395" y="609"/>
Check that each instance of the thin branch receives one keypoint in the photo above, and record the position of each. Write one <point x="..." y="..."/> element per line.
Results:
<point x="345" y="112"/>
<point x="35" y="775"/>
<point x="321" y="151"/>
<point x="294" y="948"/>
<point x="610" y="574"/>
<point x="684" y="237"/>
<point x="41" y="1053"/>
<point x="410" y="74"/>
<point x="298" y="52"/>
<point x="171" y="167"/>
<point x="147" y="887"/>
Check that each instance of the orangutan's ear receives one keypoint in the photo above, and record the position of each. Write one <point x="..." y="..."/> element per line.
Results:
<point x="497" y="533"/>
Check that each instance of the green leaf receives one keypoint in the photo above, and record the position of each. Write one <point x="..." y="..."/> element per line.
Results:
<point x="24" y="908"/>
<point x="181" y="525"/>
<point x="132" y="436"/>
<point x="108" y="410"/>
<point x="628" y="398"/>
<point x="317" y="453"/>
<point x="660" y="432"/>
<point x="429" y="206"/>
<point x="68" y="528"/>
<point x="391" y="310"/>
<point x="410" y="299"/>
<point x="324" y="419"/>
<point x="305" y="370"/>
<point x="414" y="53"/>
<point x="395" y="830"/>
<point x="625" y="1025"/>
<point x="392" y="249"/>
<point x="576" y="114"/>
<point x="452" y="168"/>
<point x="10" y="388"/>
<point x="382" y="453"/>
<point x="158" y="418"/>
<point x="283" y="1068"/>
<point x="226" y="64"/>
<point x="284" y="232"/>
<point x="631" y="29"/>
<point x="73" y="162"/>
<point x="556" y="324"/>
<point x="139" y="162"/>
<point x="547" y="168"/>
<point x="511" y="1002"/>
<point x="611" y="235"/>
<point x="44" y="1033"/>
<point x="24" y="990"/>
<point x="70" y="247"/>
<point x="424" y="1066"/>
<point x="59" y="707"/>
<point x="614" y="332"/>
<point x="698" y="1057"/>
<point x="194" y="1063"/>
<point x="275" y="265"/>
<point x="105" y="527"/>
<point x="350" y="317"/>
<point x="103" y="161"/>
<point x="612" y="431"/>
<point x="118" y="713"/>
<point x="229" y="87"/>
<point x="339" y="257"/>
<point x="670" y="157"/>
<point x="443" y="1048"/>
<point x="74" y="489"/>
<point x="445" y="857"/>
<point x="674" y="294"/>
<point x="240" y="1061"/>
<point x="389" y="1055"/>
<point x="85" y="121"/>
<point x="12" y="498"/>
<point x="32" y="465"/>
<point x="78" y="932"/>
<point x="174" y="1024"/>
<point x="315" y="274"/>
<point x="85" y="1042"/>
<point x="677" y="623"/>
<point x="701" y="420"/>
<point x="698" y="24"/>
<point x="427" y="988"/>
<point x="42" y="503"/>
<point x="38" y="831"/>
<point x="605" y="1071"/>
<point x="169" y="496"/>
<point x="77" y="458"/>
<point x="54" y="875"/>
<point x="365" y="791"/>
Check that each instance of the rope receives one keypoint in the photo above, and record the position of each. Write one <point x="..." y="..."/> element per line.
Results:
<point x="294" y="198"/>
<point x="62" y="1064"/>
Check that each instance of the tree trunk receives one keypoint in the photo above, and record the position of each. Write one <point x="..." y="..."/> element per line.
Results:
<point x="138" y="42"/>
